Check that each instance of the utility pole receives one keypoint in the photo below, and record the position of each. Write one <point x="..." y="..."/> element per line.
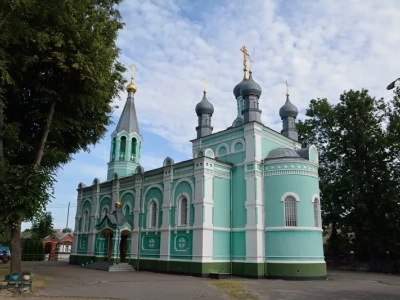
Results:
<point x="67" y="216"/>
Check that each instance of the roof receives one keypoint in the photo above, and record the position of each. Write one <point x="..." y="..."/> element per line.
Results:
<point x="128" y="120"/>
<point x="282" y="153"/>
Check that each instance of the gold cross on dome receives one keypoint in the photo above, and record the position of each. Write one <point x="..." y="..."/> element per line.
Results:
<point x="133" y="70"/>
<point x="204" y="85"/>
<point x="287" y="88"/>
<point x="251" y="62"/>
<point x="245" y="55"/>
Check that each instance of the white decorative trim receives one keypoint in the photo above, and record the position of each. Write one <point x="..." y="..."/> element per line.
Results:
<point x="315" y="196"/>
<point x="235" y="142"/>
<point x="151" y="186"/>
<point x="295" y="261"/>
<point x="149" y="218"/>
<point x="290" y="172"/>
<point x="128" y="191"/>
<point x="212" y="153"/>
<point x="292" y="228"/>
<point x="196" y="154"/>
<point x="108" y="195"/>
<point x="290" y="194"/>
<point x="108" y="210"/>
<point x="178" y="203"/>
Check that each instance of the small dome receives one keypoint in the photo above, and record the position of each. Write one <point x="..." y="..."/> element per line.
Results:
<point x="238" y="87"/>
<point x="250" y="87"/>
<point x="288" y="109"/>
<point x="282" y="153"/>
<point x="204" y="106"/>
<point x="131" y="87"/>
<point x="117" y="204"/>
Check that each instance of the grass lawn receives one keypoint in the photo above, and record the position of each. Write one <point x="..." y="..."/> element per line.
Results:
<point x="38" y="281"/>
<point x="234" y="289"/>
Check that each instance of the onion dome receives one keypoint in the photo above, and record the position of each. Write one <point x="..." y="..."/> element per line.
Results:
<point x="238" y="87"/>
<point x="204" y="106"/>
<point x="282" y="153"/>
<point x="288" y="109"/>
<point x="250" y="87"/>
<point x="131" y="87"/>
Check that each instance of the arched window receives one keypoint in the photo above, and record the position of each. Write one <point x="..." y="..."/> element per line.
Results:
<point x="133" y="150"/>
<point x="222" y="151"/>
<point x="126" y="210"/>
<point x="85" y="221"/>
<point x="316" y="213"/>
<point x="153" y="214"/>
<point x="290" y="211"/>
<point x="114" y="144"/>
<point x="105" y="212"/>
<point x="122" y="148"/>
<point x="183" y="215"/>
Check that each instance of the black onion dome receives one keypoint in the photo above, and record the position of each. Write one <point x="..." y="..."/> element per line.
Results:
<point x="250" y="87"/>
<point x="238" y="87"/>
<point x="288" y="109"/>
<point x="204" y="106"/>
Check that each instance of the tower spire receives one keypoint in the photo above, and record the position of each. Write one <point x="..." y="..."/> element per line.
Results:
<point x="126" y="139"/>
<point x="204" y="110"/>
<point x="288" y="114"/>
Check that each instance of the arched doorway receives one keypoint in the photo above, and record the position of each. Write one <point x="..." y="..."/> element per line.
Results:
<point x="108" y="233"/>
<point x="123" y="245"/>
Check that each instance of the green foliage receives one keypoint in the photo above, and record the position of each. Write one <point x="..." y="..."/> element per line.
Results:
<point x="65" y="230"/>
<point x="42" y="226"/>
<point x="58" y="76"/>
<point x="359" y="184"/>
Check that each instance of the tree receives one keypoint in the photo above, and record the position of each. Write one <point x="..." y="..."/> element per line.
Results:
<point x="58" y="76"/>
<point x="42" y="226"/>
<point x="358" y="181"/>
<point x="66" y="230"/>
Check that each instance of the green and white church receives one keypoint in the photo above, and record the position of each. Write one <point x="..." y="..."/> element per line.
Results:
<point x="246" y="203"/>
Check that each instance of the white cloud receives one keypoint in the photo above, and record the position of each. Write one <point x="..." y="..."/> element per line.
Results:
<point x="321" y="47"/>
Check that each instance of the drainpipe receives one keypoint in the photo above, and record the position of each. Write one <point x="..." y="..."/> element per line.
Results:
<point x="263" y="218"/>
<point x="140" y="222"/>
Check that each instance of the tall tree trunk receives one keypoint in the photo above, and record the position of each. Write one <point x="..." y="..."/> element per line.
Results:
<point x="45" y="133"/>
<point x="13" y="229"/>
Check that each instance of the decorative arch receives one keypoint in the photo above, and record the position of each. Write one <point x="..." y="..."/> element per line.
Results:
<point x="105" y="211"/>
<point x="199" y="153"/>
<point x="316" y="210"/>
<point x="115" y="176"/>
<point x="182" y="215"/>
<point x="139" y="170"/>
<point x="168" y="162"/>
<point x="290" y="200"/>
<point x="96" y="181"/>
<point x="313" y="154"/>
<point x="237" y="122"/>
<point x="85" y="225"/>
<point x="127" y="209"/>
<point x="153" y="186"/>
<point x="234" y="146"/>
<point x="220" y="149"/>
<point x="209" y="153"/>
<point x="177" y="185"/>
<point x="81" y="185"/>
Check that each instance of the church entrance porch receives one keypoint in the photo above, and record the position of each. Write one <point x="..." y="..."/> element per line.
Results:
<point x="123" y="245"/>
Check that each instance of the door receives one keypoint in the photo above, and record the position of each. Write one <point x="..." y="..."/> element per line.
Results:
<point x="122" y="247"/>
<point x="110" y="247"/>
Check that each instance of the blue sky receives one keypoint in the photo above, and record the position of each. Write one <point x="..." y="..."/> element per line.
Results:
<point x="321" y="47"/>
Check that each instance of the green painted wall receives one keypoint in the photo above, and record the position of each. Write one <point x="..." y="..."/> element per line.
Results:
<point x="105" y="202"/>
<point x="181" y="245"/>
<point x="150" y="245"/>
<point x="221" y="197"/>
<point x="221" y="245"/>
<point x="128" y="199"/>
<point x="296" y="271"/>
<point x="294" y="245"/>
<point x="238" y="245"/>
<point x="82" y="244"/>
<point x="181" y="189"/>
<point x="276" y="186"/>
<point x="156" y="193"/>
<point x="239" y="197"/>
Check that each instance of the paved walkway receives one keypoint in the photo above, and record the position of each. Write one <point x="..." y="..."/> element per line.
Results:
<point x="340" y="285"/>
<point x="75" y="282"/>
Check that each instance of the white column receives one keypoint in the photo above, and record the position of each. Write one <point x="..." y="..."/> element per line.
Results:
<point x="136" y="212"/>
<point x="166" y="207"/>
<point x="203" y="204"/>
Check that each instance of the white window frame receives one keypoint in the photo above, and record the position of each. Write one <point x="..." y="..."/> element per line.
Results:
<point x="104" y="214"/>
<point x="85" y="221"/>
<point x="151" y="222"/>
<point x="181" y="211"/>
<point x="290" y="209"/>
<point x="317" y="212"/>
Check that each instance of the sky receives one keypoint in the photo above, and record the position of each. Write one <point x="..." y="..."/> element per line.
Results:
<point x="321" y="47"/>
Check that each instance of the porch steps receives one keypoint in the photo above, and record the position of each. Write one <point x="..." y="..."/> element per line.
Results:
<point x="106" y="266"/>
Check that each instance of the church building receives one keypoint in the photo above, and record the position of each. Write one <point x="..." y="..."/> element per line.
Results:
<point x="246" y="203"/>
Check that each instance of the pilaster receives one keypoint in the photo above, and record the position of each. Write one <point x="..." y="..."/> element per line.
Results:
<point x="166" y="213"/>
<point x="135" y="240"/>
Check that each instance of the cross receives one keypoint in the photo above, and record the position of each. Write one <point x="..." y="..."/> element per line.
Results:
<point x="245" y="54"/>
<point x="133" y="70"/>
<point x="251" y="62"/>
<point x="204" y="85"/>
<point x="287" y="88"/>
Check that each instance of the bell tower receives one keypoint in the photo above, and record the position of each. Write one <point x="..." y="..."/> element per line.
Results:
<point x="126" y="141"/>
